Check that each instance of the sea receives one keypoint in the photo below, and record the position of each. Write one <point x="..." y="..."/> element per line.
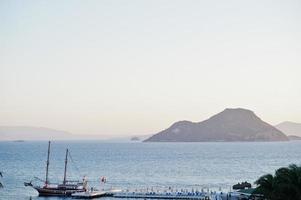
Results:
<point x="138" y="166"/>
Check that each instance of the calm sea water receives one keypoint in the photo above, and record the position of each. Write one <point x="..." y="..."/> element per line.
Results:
<point x="142" y="165"/>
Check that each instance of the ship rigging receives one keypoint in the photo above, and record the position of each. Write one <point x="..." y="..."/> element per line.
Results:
<point x="66" y="188"/>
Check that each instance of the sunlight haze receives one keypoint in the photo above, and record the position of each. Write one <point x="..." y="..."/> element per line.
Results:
<point x="135" y="67"/>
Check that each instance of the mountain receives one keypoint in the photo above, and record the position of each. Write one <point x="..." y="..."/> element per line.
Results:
<point x="32" y="133"/>
<point x="229" y="125"/>
<point x="290" y="128"/>
<point x="294" y="137"/>
<point x="20" y="133"/>
<point x="23" y="133"/>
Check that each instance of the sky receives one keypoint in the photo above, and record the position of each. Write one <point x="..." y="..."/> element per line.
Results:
<point x="135" y="67"/>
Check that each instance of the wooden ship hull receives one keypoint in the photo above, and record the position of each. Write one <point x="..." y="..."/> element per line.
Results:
<point x="56" y="191"/>
<point x="65" y="189"/>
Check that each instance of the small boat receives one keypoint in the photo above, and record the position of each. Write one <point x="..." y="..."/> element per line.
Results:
<point x="88" y="194"/>
<point x="65" y="189"/>
<point x="241" y="186"/>
<point x="95" y="193"/>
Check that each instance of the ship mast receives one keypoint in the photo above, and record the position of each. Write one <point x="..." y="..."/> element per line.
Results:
<point x="65" y="171"/>
<point x="47" y="164"/>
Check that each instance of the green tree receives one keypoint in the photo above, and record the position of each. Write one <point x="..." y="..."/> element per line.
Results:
<point x="1" y="185"/>
<point x="284" y="185"/>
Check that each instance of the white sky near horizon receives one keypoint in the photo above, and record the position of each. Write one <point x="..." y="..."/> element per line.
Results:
<point x="135" y="67"/>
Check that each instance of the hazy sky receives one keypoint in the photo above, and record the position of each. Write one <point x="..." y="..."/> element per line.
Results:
<point x="135" y="67"/>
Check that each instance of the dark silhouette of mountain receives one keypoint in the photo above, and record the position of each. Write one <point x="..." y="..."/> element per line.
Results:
<point x="229" y="125"/>
<point x="290" y="128"/>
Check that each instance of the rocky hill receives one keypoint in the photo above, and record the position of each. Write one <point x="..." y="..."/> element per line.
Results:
<point x="229" y="125"/>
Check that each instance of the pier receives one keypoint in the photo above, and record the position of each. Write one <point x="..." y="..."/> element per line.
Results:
<point x="161" y="196"/>
<point x="164" y="195"/>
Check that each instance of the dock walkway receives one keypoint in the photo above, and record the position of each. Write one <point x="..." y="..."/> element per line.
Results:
<point x="153" y="195"/>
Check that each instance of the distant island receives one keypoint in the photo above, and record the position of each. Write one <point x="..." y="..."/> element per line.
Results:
<point x="229" y="125"/>
<point x="290" y="128"/>
<point x="32" y="133"/>
<point x="294" y="137"/>
<point x="21" y="133"/>
<point x="135" y="138"/>
<point x="28" y="133"/>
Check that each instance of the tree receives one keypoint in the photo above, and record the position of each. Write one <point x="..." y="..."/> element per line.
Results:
<point x="284" y="185"/>
<point x="1" y="185"/>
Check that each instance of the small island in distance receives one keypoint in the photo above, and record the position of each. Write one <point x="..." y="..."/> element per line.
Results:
<point x="229" y="125"/>
<point x="135" y="138"/>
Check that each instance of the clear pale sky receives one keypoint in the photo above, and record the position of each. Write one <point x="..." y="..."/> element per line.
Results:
<point x="135" y="67"/>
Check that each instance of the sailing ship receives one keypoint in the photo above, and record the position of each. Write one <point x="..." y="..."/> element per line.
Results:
<point x="65" y="189"/>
